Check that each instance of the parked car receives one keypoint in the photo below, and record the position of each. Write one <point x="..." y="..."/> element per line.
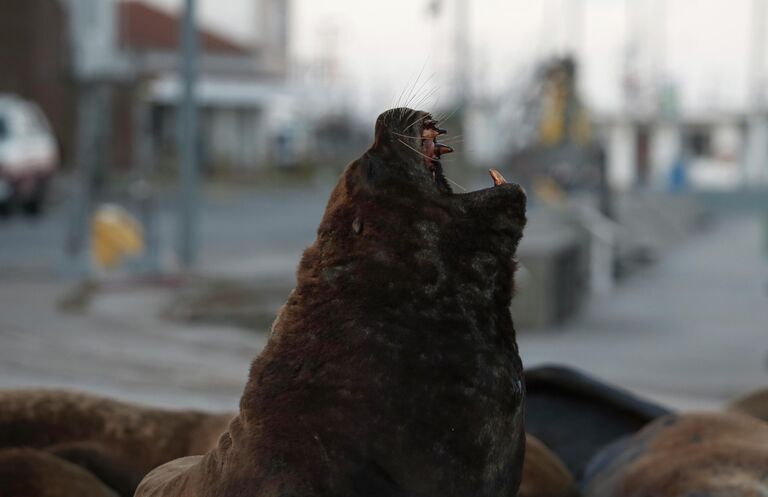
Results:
<point x="28" y="155"/>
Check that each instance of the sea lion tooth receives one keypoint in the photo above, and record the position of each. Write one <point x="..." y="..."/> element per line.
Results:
<point x="441" y="149"/>
<point x="497" y="178"/>
<point x="357" y="225"/>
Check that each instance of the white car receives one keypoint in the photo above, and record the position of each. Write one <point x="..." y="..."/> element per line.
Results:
<point x="28" y="155"/>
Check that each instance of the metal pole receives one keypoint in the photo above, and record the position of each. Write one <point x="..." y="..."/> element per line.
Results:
<point x="144" y="191"/>
<point x="187" y="149"/>
<point x="88" y="117"/>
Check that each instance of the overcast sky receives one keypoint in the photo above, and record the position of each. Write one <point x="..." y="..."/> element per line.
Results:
<point x="701" y="45"/>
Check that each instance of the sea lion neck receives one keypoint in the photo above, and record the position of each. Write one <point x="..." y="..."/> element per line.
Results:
<point x="433" y="247"/>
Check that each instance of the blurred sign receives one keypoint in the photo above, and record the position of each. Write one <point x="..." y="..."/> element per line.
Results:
<point x="94" y="35"/>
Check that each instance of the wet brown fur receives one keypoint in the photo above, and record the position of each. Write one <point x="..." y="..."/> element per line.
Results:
<point x="116" y="441"/>
<point x="393" y="369"/>
<point x="697" y="454"/>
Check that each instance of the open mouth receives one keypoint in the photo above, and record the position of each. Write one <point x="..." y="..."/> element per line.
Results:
<point x="432" y="151"/>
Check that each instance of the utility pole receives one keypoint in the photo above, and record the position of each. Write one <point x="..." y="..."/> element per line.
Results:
<point x="95" y="67"/>
<point x="187" y="139"/>
<point x="91" y="122"/>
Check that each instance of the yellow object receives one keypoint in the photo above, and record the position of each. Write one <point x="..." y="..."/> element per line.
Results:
<point x="552" y="124"/>
<point x="115" y="234"/>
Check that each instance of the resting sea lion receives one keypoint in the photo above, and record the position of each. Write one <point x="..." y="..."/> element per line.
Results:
<point x="392" y="370"/>
<point x="696" y="454"/>
<point x="754" y="404"/>
<point x="35" y="473"/>
<point x="544" y="474"/>
<point x="116" y="441"/>
<point x="576" y="415"/>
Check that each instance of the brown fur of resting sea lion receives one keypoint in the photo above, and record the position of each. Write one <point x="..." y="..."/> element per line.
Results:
<point x="115" y="441"/>
<point x="544" y="474"/>
<point x="754" y="404"/>
<point x="34" y="473"/>
<point x="393" y="368"/>
<point x="686" y="455"/>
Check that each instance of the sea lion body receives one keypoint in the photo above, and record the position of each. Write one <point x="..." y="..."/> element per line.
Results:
<point x="693" y="454"/>
<point x="35" y="473"/>
<point x="117" y="442"/>
<point x="392" y="370"/>
<point x="544" y="474"/>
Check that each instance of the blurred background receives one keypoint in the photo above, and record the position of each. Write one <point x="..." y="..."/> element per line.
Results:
<point x="163" y="163"/>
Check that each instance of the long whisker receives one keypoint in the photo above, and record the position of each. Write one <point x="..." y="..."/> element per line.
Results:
<point x="412" y="122"/>
<point x="407" y="136"/>
<point x="450" y="115"/>
<point x="424" y="98"/>
<point x="415" y="82"/>
<point x="420" y="89"/>
<point x="455" y="184"/>
<point x="418" y="152"/>
<point x="402" y="95"/>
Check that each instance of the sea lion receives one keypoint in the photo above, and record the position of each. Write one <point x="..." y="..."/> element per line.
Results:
<point x="35" y="473"/>
<point x="544" y="474"/>
<point x="754" y="404"/>
<point x="117" y="442"/>
<point x="693" y="454"/>
<point x="393" y="368"/>
<point x="576" y="415"/>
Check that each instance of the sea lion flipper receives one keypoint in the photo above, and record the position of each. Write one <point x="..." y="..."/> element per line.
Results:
<point x="173" y="478"/>
<point x="118" y="473"/>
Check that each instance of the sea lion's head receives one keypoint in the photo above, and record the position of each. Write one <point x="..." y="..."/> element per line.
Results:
<point x="407" y="152"/>
<point x="402" y="173"/>
<point x="394" y="224"/>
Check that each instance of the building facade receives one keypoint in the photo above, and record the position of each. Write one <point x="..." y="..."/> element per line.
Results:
<point x="53" y="50"/>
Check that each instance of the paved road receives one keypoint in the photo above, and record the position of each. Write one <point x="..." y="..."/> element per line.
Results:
<point x="275" y="222"/>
